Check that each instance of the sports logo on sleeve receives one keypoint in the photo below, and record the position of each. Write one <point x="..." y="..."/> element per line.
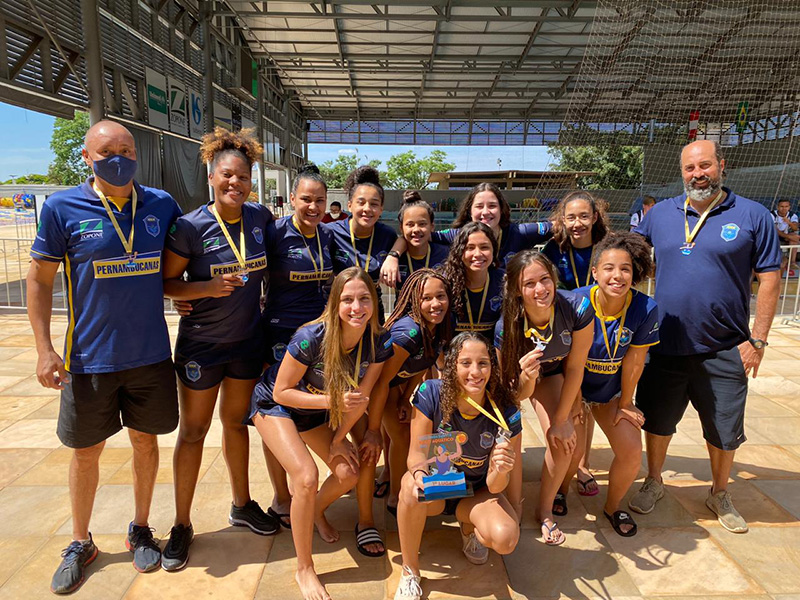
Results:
<point x="211" y="244"/>
<point x="258" y="235"/>
<point x="90" y="229"/>
<point x="152" y="225"/>
<point x="730" y="232"/>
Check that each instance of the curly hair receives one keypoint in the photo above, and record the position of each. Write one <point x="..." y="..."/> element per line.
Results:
<point x="363" y="175"/>
<point x="465" y="210"/>
<point x="599" y="228"/>
<point x="454" y="269"/>
<point x="308" y="171"/>
<point x="451" y="388"/>
<point x="223" y="142"/>
<point x="515" y="344"/>
<point x="636" y="247"/>
<point x="409" y="302"/>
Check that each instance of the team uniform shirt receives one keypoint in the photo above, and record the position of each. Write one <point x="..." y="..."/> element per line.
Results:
<point x="438" y="254"/>
<point x="635" y="327"/>
<point x="299" y="277"/>
<point x="636" y="218"/>
<point x="306" y="348"/>
<point x="782" y="225"/>
<point x="492" y="309"/>
<point x="703" y="292"/>
<point x="572" y="312"/>
<point x="116" y="310"/>
<point x="407" y="334"/>
<point x="383" y="240"/>
<point x="480" y="430"/>
<point x="563" y="264"/>
<point x="197" y="236"/>
<point x="514" y="238"/>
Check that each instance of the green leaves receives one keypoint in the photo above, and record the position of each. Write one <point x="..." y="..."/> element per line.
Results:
<point x="404" y="171"/>
<point x="616" y="166"/>
<point x="68" y="167"/>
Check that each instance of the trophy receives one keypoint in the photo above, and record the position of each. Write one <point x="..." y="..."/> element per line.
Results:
<point x="444" y="480"/>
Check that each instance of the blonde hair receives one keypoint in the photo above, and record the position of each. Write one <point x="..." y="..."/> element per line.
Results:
<point x="335" y="357"/>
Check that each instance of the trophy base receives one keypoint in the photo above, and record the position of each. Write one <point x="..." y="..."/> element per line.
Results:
<point x="447" y="495"/>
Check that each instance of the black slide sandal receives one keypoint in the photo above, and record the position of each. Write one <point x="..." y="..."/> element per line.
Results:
<point x="369" y="535"/>
<point x="620" y="518"/>
<point x="280" y="517"/>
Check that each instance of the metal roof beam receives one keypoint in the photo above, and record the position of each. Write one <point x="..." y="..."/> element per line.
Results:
<point x="564" y="4"/>
<point x="422" y="58"/>
<point x="405" y="17"/>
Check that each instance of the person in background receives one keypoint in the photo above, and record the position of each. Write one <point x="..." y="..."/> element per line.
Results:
<point x="648" y="202"/>
<point x="335" y="213"/>
<point x="786" y="222"/>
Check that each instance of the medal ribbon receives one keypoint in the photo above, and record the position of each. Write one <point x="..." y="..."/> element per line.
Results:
<point x="427" y="260"/>
<point x="317" y="272"/>
<point x="500" y="421"/>
<point x="575" y="270"/>
<point x="691" y="235"/>
<point x="621" y="324"/>
<point x="534" y="331"/>
<point x="239" y="254"/>
<point x="357" y="370"/>
<point x="127" y="244"/>
<point x="483" y="303"/>
<point x="353" y="242"/>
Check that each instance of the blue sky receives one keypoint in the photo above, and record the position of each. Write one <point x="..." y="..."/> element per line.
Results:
<point x="25" y="148"/>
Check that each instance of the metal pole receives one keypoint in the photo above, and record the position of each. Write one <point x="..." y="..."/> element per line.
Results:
<point x="260" y="136"/>
<point x="207" y="11"/>
<point x="94" y="60"/>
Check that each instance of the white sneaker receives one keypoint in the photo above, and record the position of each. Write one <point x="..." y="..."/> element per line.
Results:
<point x="409" y="588"/>
<point x="475" y="552"/>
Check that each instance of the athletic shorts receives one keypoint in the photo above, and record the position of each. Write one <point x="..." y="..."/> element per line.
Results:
<point x="95" y="406"/>
<point x="304" y="420"/>
<point x="715" y="384"/>
<point x="203" y="365"/>
<point x="276" y="340"/>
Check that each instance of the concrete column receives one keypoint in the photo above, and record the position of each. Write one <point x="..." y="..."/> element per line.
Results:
<point x="94" y="60"/>
<point x="207" y="11"/>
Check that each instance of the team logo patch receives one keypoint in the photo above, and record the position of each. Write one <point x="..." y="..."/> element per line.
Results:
<point x="258" y="235"/>
<point x="388" y="343"/>
<point x="192" y="371"/>
<point x="278" y="352"/>
<point x="625" y="336"/>
<point x="173" y="228"/>
<point x="515" y="417"/>
<point x="566" y="338"/>
<point x="487" y="440"/>
<point x="422" y="386"/>
<point x="151" y="225"/>
<point x="730" y="232"/>
<point x="342" y="255"/>
<point x="413" y="333"/>
<point x="542" y="228"/>
<point x="363" y="370"/>
<point x="90" y="229"/>
<point x="584" y="305"/>
<point x="304" y="344"/>
<point x="496" y="302"/>
<point x="654" y="329"/>
<point x="294" y="253"/>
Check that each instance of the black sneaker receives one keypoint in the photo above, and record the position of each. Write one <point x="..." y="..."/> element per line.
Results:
<point x="176" y="552"/>
<point x="250" y="515"/>
<point x="146" y="553"/>
<point x="69" y="574"/>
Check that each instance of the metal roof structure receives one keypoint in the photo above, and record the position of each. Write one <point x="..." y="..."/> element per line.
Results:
<point x="509" y="180"/>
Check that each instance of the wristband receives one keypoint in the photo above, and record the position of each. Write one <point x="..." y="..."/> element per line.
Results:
<point x="423" y="471"/>
<point x="394" y="254"/>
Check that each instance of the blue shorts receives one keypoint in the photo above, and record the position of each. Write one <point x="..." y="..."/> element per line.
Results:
<point x="715" y="384"/>
<point x="202" y="365"/>
<point x="261" y="403"/>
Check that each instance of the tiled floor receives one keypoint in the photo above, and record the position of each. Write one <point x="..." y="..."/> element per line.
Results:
<point x="680" y="553"/>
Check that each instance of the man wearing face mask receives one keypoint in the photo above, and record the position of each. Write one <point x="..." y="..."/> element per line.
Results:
<point x="116" y="372"/>
<point x="335" y="213"/>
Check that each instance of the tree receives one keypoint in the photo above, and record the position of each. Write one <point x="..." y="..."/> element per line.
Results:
<point x="407" y="172"/>
<point x="616" y="166"/>
<point x="335" y="173"/>
<point x="66" y="142"/>
<point x="31" y="178"/>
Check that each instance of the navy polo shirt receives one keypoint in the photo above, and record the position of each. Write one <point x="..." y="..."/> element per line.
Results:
<point x="483" y="322"/>
<point x="563" y="264"/>
<point x="116" y="311"/>
<point x="407" y="334"/>
<point x="437" y="258"/>
<point x="198" y="238"/>
<point x="704" y="297"/>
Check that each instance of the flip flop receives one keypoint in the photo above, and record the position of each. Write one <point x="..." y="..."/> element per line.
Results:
<point x="381" y="489"/>
<point x="584" y="485"/>
<point x="369" y="535"/>
<point x="560" y="505"/>
<point x="548" y="537"/>
<point x="280" y="517"/>
<point x="620" y="518"/>
<point x="392" y="510"/>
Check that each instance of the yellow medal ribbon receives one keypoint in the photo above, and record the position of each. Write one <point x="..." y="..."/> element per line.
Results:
<point x="240" y="254"/>
<point x="621" y="324"/>
<point x="357" y="370"/>
<point x="499" y="421"/>
<point x="317" y="272"/>
<point x="427" y="260"/>
<point x="127" y="244"/>
<point x="534" y="331"/>
<point x="691" y="235"/>
<point x="483" y="303"/>
<point x="353" y="241"/>
<point x="575" y="270"/>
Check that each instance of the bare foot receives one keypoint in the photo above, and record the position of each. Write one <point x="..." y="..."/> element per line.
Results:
<point x="327" y="532"/>
<point x="310" y="585"/>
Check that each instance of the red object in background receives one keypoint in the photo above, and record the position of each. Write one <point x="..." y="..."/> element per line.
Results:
<point x="694" y="120"/>
<point x="329" y="219"/>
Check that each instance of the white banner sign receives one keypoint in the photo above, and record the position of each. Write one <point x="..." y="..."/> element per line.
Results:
<point x="197" y="124"/>
<point x="157" y="103"/>
<point x="178" y="108"/>
<point x="222" y="116"/>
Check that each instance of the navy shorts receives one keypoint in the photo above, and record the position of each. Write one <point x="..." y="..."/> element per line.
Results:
<point x="276" y="340"/>
<point x="95" y="406"/>
<point x="202" y="365"/>
<point x="715" y="384"/>
<point x="304" y="420"/>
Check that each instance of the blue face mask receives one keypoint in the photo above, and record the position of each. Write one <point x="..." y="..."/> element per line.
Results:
<point x="116" y="170"/>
